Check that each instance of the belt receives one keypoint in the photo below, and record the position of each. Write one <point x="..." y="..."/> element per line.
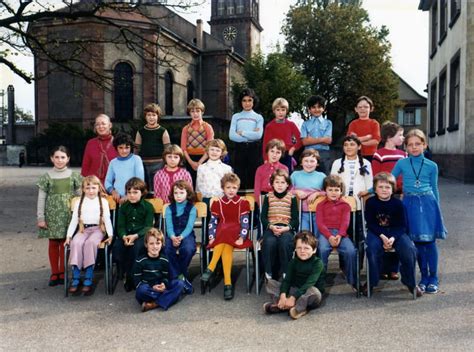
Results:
<point x="89" y="225"/>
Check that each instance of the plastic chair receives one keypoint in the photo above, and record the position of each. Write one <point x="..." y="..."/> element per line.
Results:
<point x="158" y="210"/>
<point x="201" y="221"/>
<point x="104" y="246"/>
<point x="353" y="204"/>
<point x="251" y="201"/>
<point x="364" y="230"/>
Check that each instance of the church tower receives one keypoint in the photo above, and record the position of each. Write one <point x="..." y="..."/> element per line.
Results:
<point x="236" y="22"/>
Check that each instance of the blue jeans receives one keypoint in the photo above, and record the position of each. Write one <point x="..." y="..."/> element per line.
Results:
<point x="306" y="220"/>
<point x="179" y="262"/>
<point x="277" y="250"/>
<point x="406" y="252"/>
<point x="346" y="249"/>
<point x="165" y="299"/>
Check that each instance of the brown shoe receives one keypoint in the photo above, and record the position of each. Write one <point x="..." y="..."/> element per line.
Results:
<point x="295" y="314"/>
<point x="73" y="289"/>
<point x="146" y="306"/>
<point x="418" y="291"/>
<point x="86" y="289"/>
<point x="394" y="276"/>
<point x="271" y="308"/>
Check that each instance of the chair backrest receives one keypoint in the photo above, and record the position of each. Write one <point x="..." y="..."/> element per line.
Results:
<point x="201" y="213"/>
<point x="351" y="201"/>
<point x="158" y="207"/>
<point x="110" y="200"/>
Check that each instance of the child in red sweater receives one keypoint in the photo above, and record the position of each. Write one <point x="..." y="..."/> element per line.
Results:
<point x="333" y="220"/>
<point x="281" y="128"/>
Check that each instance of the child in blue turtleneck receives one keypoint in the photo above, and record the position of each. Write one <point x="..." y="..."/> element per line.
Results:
<point x="121" y="169"/>
<point x="421" y="201"/>
<point x="181" y="242"/>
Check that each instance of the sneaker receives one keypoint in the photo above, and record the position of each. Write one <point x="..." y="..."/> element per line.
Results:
<point x="432" y="288"/>
<point x="419" y="292"/>
<point x="271" y="308"/>
<point x="146" y="306"/>
<point x="188" y="287"/>
<point x="295" y="314"/>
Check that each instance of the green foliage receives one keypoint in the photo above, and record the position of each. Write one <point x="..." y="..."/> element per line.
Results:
<point x="343" y="56"/>
<point x="22" y="115"/>
<point x="71" y="136"/>
<point x="272" y="77"/>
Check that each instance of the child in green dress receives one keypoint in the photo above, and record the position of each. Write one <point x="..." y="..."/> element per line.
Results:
<point x="56" y="188"/>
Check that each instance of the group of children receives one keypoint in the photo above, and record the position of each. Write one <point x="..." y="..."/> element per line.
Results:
<point x="158" y="268"/>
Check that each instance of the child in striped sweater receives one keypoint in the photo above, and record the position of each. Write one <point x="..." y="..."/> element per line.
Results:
<point x="280" y="221"/>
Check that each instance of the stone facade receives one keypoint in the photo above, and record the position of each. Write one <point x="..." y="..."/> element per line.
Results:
<point x="451" y="86"/>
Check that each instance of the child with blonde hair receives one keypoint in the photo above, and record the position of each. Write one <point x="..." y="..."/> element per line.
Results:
<point x="92" y="214"/>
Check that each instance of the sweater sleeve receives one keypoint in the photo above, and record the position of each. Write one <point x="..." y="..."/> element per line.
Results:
<point x="184" y="137"/>
<point x="376" y="163"/>
<point x="233" y="136"/>
<point x="41" y="205"/>
<point x="107" y="222"/>
<point x="264" y="214"/>
<point x="434" y="181"/>
<point x="255" y="135"/>
<point x="74" y="221"/>
<point x="345" y="220"/>
<point x="87" y="160"/>
<point x="322" y="228"/>
<point x="169" y="223"/>
<point x="318" y="268"/>
<point x="376" y="130"/>
<point x="149" y="219"/>
<point x="190" y="225"/>
<point x="256" y="185"/>
<point x="139" y="170"/>
<point x="110" y="178"/>
<point x="295" y="220"/>
<point x="209" y="131"/>
<point x="137" y="272"/>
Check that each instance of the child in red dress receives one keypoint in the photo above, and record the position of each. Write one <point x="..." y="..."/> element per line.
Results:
<point x="228" y="229"/>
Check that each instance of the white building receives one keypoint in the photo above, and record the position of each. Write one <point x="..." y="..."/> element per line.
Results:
<point x="451" y="86"/>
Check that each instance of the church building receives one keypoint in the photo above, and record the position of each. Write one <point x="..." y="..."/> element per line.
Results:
<point x="186" y="63"/>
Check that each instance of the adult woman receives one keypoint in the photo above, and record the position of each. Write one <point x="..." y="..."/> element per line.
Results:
<point x="99" y="150"/>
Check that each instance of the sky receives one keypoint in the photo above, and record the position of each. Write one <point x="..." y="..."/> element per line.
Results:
<point x="408" y="28"/>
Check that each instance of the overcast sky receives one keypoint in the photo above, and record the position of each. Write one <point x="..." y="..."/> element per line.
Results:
<point x="408" y="35"/>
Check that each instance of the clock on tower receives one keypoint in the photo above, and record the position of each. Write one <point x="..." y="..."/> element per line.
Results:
<point x="236" y="23"/>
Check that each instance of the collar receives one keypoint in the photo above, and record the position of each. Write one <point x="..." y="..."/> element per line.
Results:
<point x="196" y="123"/>
<point x="234" y="200"/>
<point x="105" y="138"/>
<point x="125" y="158"/>
<point x="280" y="195"/>
<point x="60" y="170"/>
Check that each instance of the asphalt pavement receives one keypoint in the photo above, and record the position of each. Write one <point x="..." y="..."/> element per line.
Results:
<point x="35" y="317"/>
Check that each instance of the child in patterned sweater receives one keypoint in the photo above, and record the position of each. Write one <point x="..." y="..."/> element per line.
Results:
<point x="280" y="221"/>
<point x="172" y="172"/>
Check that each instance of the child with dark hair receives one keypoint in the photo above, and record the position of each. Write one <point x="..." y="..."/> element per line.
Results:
<point x="303" y="285"/>
<point x="173" y="171"/>
<point x="180" y="217"/>
<point x="316" y="132"/>
<point x="56" y="188"/>
<point x="246" y="130"/>
<point x="154" y="289"/>
<point x="150" y="141"/>
<point x="280" y="221"/>
<point x="121" y="169"/>
<point x="135" y="216"/>
<point x="355" y="171"/>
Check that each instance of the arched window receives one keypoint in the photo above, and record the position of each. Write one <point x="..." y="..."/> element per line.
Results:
<point x="190" y="91"/>
<point x="168" y="93"/>
<point x="123" y="92"/>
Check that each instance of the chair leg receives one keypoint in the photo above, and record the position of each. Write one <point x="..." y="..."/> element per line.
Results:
<point x="369" y="291"/>
<point x="247" y="269"/>
<point x="357" y="274"/>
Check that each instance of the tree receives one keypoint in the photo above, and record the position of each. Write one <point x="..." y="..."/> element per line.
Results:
<point x="23" y="23"/>
<point x="22" y="115"/>
<point x="271" y="77"/>
<point x="343" y="56"/>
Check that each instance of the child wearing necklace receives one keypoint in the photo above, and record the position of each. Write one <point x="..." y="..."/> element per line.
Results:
<point x="421" y="201"/>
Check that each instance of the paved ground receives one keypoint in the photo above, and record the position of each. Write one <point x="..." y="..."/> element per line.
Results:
<point x="36" y="317"/>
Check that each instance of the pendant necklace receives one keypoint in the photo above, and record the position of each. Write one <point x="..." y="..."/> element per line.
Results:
<point x="417" y="176"/>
